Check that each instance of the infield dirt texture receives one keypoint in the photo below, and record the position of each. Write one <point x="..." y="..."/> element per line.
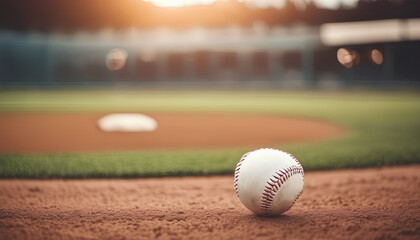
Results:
<point x="377" y="203"/>
<point x="66" y="132"/>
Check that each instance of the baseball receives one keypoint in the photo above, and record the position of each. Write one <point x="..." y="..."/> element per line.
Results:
<point x="268" y="181"/>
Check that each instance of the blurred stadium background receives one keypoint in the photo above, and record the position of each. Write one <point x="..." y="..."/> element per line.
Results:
<point x="102" y="56"/>
<point x="287" y="44"/>
<point x="202" y="69"/>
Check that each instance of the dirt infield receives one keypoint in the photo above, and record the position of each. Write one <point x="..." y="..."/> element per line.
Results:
<point x="380" y="203"/>
<point x="54" y="132"/>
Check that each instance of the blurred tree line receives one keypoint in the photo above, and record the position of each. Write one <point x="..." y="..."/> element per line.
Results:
<point x="74" y="15"/>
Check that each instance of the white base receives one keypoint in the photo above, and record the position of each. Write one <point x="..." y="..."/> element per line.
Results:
<point x="127" y="122"/>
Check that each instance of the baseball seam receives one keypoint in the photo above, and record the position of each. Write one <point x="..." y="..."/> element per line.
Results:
<point x="237" y="170"/>
<point x="274" y="185"/>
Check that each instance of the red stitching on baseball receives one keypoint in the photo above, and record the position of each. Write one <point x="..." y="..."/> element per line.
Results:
<point x="238" y="168"/>
<point x="272" y="187"/>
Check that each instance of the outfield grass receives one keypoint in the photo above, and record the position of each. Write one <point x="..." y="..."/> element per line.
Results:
<point x="384" y="129"/>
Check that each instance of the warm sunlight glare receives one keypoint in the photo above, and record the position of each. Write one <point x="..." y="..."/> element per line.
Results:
<point x="180" y="3"/>
<point x="331" y="4"/>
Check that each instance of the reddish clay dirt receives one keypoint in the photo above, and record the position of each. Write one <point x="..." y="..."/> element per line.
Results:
<point x="64" y="132"/>
<point x="346" y="204"/>
<point x="381" y="203"/>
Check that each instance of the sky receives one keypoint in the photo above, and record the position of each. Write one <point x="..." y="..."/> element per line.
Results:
<point x="330" y="4"/>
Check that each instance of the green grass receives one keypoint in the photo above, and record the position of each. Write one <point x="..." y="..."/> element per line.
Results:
<point x="383" y="129"/>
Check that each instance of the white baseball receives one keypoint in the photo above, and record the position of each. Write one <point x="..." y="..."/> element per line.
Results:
<point x="268" y="181"/>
